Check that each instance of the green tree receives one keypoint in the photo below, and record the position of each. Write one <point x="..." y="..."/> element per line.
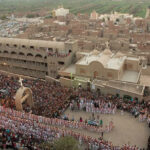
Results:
<point x="46" y="146"/>
<point x="66" y="143"/>
<point x="3" y="17"/>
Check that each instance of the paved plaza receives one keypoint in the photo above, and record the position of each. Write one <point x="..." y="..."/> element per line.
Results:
<point x="127" y="128"/>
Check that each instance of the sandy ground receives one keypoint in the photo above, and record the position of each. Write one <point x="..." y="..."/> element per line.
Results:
<point x="127" y="128"/>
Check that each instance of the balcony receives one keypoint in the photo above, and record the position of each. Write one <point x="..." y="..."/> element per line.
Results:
<point x="28" y="65"/>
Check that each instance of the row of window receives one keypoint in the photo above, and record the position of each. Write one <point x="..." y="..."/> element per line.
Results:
<point x="59" y="63"/>
<point x="23" y="61"/>
<point x="25" y="47"/>
<point x="22" y="54"/>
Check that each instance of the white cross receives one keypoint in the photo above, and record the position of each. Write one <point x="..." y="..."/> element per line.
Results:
<point x="20" y="81"/>
<point x="107" y="45"/>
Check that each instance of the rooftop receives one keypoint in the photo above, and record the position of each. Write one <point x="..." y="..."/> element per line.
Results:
<point x="145" y="80"/>
<point x="36" y="43"/>
<point x="116" y="63"/>
<point x="130" y="76"/>
<point x="70" y="69"/>
<point x="102" y="57"/>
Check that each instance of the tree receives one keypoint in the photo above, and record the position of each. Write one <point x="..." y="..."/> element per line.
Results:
<point x="3" y="17"/>
<point x="103" y="20"/>
<point x="32" y="15"/>
<point x="46" y="146"/>
<point x="66" y="143"/>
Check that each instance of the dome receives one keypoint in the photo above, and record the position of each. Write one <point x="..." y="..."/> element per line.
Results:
<point x="107" y="52"/>
<point x="95" y="52"/>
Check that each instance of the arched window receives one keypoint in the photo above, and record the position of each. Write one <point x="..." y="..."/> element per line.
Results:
<point x="23" y="46"/>
<point x="50" y="49"/>
<point x="7" y="45"/>
<point x="21" y="53"/>
<point x="29" y="54"/>
<point x="6" y="52"/>
<point x="15" y="45"/>
<point x="45" y="57"/>
<point x="31" y="47"/>
<point x="13" y="53"/>
<point x="38" y="55"/>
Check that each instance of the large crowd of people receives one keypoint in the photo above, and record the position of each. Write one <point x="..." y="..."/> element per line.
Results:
<point x="32" y="127"/>
<point x="50" y="100"/>
<point x="95" y="103"/>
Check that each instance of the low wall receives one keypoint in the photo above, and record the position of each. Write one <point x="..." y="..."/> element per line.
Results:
<point x="72" y="83"/>
<point x="50" y="79"/>
<point x="66" y="82"/>
<point x="110" y="90"/>
<point x="15" y="75"/>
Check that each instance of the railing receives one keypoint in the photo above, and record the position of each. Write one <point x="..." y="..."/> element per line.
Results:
<point x="24" y="65"/>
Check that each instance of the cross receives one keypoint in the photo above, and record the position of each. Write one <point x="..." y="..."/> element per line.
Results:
<point x="20" y="81"/>
<point x="107" y="45"/>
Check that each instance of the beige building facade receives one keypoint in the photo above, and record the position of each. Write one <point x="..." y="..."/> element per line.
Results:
<point x="109" y="66"/>
<point x="35" y="58"/>
<point x="111" y="73"/>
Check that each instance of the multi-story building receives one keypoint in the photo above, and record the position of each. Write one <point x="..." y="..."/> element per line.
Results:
<point x="35" y="58"/>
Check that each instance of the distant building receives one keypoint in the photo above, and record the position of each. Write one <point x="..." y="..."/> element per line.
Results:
<point x="115" y="17"/>
<point x="94" y="15"/>
<point x="60" y="12"/>
<point x="147" y="13"/>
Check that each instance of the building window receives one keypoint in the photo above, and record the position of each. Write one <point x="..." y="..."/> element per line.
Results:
<point x="61" y="63"/>
<point x="5" y="51"/>
<point x="31" y="47"/>
<point x="13" y="53"/>
<point x="15" y="45"/>
<point x="21" y="53"/>
<point x="23" y="46"/>
<point x="7" y="45"/>
<point x="38" y="55"/>
<point x="50" y="49"/>
<point x="109" y="75"/>
<point x="29" y="54"/>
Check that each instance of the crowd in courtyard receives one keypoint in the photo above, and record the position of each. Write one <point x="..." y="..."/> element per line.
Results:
<point x="19" y="129"/>
<point x="50" y="100"/>
<point x="93" y="102"/>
